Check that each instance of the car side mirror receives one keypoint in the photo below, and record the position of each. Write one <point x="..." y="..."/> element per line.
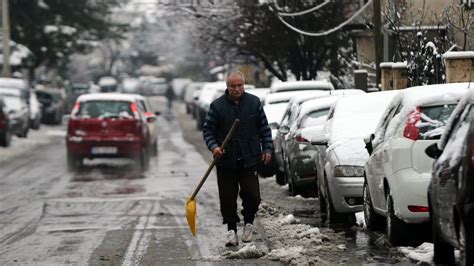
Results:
<point x="284" y="129"/>
<point x="368" y="143"/>
<point x="433" y="151"/>
<point x="319" y="140"/>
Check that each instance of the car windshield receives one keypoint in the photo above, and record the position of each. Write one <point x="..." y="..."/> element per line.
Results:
<point x="105" y="109"/>
<point x="315" y="118"/>
<point x="433" y="120"/>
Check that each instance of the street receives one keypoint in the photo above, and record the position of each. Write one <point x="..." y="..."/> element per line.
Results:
<point x="108" y="213"/>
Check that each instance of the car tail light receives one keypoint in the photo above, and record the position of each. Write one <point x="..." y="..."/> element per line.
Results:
<point x="75" y="109"/>
<point x="134" y="109"/>
<point x="411" y="131"/>
<point x="299" y="138"/>
<point x="414" y="208"/>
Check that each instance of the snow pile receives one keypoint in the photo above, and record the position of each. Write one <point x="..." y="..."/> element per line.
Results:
<point x="301" y="244"/>
<point x="286" y="255"/>
<point x="360" y="219"/>
<point x="289" y="219"/>
<point x="246" y="252"/>
<point x="422" y="253"/>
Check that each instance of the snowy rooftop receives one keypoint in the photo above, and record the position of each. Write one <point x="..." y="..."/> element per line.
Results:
<point x="458" y="55"/>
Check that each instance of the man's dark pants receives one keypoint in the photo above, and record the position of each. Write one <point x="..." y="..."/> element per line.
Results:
<point x="228" y="181"/>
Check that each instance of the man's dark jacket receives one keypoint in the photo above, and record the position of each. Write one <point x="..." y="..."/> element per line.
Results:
<point x="252" y="137"/>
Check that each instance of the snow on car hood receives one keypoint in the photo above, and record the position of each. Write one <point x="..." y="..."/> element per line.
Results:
<point x="349" y="152"/>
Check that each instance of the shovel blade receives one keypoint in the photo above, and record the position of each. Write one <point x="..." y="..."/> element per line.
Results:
<point x="191" y="215"/>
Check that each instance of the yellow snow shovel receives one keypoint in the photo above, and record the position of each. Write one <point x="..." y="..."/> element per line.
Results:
<point x="191" y="203"/>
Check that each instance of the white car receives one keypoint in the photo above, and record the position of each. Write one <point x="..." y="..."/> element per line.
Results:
<point x="342" y="154"/>
<point x="398" y="171"/>
<point x="35" y="111"/>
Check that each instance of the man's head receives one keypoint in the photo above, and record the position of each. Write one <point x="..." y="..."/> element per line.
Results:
<point x="235" y="84"/>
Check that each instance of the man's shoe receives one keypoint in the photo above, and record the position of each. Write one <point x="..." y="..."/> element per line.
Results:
<point x="232" y="239"/>
<point x="247" y="235"/>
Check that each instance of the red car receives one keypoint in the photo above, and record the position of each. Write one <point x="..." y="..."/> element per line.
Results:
<point x="107" y="125"/>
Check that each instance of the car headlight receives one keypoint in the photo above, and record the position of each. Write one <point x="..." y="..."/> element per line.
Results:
<point x="348" y="171"/>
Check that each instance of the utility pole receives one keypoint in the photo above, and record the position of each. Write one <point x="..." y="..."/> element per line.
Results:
<point x="378" y="40"/>
<point x="6" y="39"/>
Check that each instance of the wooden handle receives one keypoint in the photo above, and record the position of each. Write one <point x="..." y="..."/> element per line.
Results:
<point x="213" y="163"/>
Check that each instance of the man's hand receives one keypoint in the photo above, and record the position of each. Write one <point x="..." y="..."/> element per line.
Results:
<point x="217" y="152"/>
<point x="266" y="158"/>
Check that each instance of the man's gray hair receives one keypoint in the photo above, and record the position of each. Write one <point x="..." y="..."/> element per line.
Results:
<point x="232" y="73"/>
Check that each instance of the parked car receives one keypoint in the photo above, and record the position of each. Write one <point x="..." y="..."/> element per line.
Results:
<point x="52" y="105"/>
<point x="107" y="125"/>
<point x="74" y="90"/>
<point x="152" y="122"/>
<point x="342" y="154"/>
<point x="131" y="85"/>
<point x="206" y="96"/>
<point x="14" y="116"/>
<point x="35" y="111"/>
<point x="289" y="119"/>
<point x="398" y="171"/>
<point x="451" y="190"/>
<point x="108" y="84"/>
<point x="300" y="162"/>
<point x="19" y="84"/>
<point x="189" y="93"/>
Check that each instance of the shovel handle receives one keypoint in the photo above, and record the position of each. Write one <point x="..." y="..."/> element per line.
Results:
<point x="213" y="163"/>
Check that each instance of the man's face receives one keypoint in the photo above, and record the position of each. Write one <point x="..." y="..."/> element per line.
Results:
<point x="235" y="86"/>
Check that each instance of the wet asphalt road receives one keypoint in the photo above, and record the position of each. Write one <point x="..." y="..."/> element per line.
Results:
<point x="108" y="213"/>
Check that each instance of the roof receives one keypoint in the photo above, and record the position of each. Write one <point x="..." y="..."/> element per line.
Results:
<point x="282" y="96"/>
<point x="302" y="85"/>
<point x="432" y="94"/>
<point x="107" y="97"/>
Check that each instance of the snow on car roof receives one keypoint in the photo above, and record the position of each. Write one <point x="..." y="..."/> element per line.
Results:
<point x="107" y="97"/>
<point x="433" y="94"/>
<point x="301" y="85"/>
<point x="282" y="96"/>
<point x="107" y="81"/>
<point x="13" y="83"/>
<point x="358" y="115"/>
<point x="317" y="104"/>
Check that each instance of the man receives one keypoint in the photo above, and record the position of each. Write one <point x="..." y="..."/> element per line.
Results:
<point x="237" y="165"/>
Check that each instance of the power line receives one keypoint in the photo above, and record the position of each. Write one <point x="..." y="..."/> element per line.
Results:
<point x="324" y="33"/>
<point x="301" y="12"/>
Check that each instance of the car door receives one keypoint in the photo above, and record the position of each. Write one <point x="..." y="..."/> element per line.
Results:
<point x="446" y="183"/>
<point x="375" y="173"/>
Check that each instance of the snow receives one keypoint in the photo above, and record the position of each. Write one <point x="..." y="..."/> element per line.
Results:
<point x="422" y="253"/>
<point x="248" y="251"/>
<point x="360" y="219"/>
<point x="400" y="65"/>
<point x="64" y="29"/>
<point x="106" y="96"/>
<point x="352" y="112"/>
<point x="107" y="81"/>
<point x="458" y="55"/>
<point x="386" y="64"/>
<point x="282" y="96"/>
<point x="301" y="85"/>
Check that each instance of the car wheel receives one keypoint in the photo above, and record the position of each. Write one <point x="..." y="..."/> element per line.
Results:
<point x="331" y="215"/>
<point x="466" y="245"/>
<point x="373" y="221"/>
<point x="322" y="205"/>
<point x="443" y="252"/>
<point x="5" y="139"/>
<point x="154" y="149"/>
<point x="24" y="132"/>
<point x="144" y="160"/>
<point x="395" y="227"/>
<point x="280" y="178"/>
<point x="73" y="162"/>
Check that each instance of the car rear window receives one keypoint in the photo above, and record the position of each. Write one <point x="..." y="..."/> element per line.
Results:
<point x="105" y="109"/>
<point x="433" y="120"/>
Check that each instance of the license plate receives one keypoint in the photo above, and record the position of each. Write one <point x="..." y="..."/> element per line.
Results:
<point x="104" y="150"/>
